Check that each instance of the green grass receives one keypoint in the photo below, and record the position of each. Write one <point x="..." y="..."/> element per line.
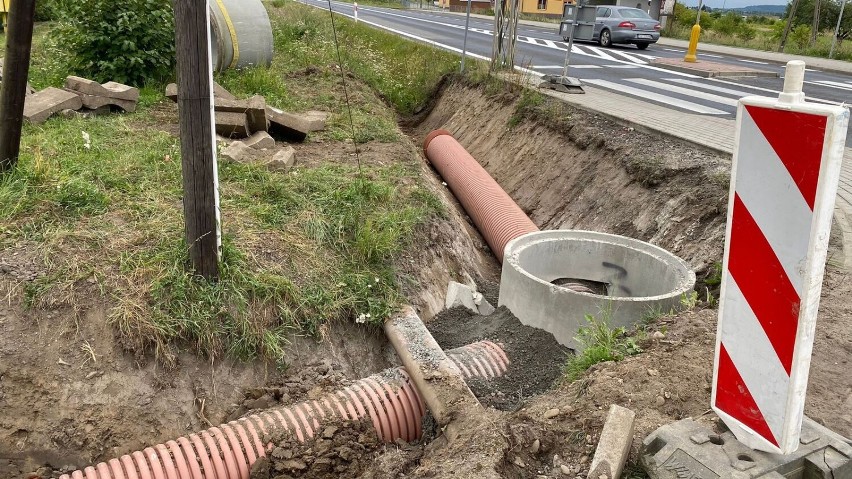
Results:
<point x="601" y="343"/>
<point x="301" y="249"/>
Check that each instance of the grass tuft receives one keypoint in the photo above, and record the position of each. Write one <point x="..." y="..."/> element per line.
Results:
<point x="601" y="343"/>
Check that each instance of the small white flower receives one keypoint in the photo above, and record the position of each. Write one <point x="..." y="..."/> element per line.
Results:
<point x="87" y="140"/>
<point x="369" y="285"/>
<point x="362" y="318"/>
<point x="444" y="183"/>
<point x="377" y="279"/>
<point x="368" y="315"/>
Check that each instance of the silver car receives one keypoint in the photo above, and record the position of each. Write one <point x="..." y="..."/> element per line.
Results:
<point x="618" y="25"/>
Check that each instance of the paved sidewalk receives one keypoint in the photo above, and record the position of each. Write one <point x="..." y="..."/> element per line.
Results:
<point x="708" y="131"/>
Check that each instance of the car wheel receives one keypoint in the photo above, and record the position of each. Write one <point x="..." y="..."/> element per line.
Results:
<point x="642" y="46"/>
<point x="606" y="38"/>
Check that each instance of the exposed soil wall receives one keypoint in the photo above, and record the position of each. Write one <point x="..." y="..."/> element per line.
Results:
<point x="577" y="170"/>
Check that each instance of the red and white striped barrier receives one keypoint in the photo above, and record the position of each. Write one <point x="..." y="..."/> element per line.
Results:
<point x="785" y="172"/>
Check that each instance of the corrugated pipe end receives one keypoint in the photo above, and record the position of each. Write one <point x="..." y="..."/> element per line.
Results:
<point x="389" y="400"/>
<point x="431" y="136"/>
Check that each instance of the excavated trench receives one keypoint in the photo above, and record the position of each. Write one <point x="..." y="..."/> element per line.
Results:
<point x="575" y="170"/>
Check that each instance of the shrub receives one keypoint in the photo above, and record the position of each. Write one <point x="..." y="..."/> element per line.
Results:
<point x="801" y="35"/>
<point x="727" y="24"/>
<point x="46" y="10"/>
<point x="746" y="32"/>
<point x="129" y="42"/>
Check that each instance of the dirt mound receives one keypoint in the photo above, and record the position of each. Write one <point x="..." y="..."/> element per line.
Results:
<point x="343" y="449"/>
<point x="536" y="358"/>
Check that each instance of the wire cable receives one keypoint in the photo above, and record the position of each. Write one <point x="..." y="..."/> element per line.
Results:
<point x="345" y="90"/>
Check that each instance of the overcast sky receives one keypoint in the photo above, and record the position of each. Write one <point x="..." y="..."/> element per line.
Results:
<point x="733" y="3"/>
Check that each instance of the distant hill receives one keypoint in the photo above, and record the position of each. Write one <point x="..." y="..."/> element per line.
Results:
<point x="767" y="9"/>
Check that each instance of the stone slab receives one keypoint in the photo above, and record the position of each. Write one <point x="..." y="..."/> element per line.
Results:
<point x="218" y="92"/>
<point x="40" y="106"/>
<point x="689" y="449"/>
<point x="317" y="120"/>
<point x="287" y="126"/>
<point x="109" y="89"/>
<point x="238" y="152"/>
<point x="94" y="102"/>
<point x="710" y="69"/>
<point x="614" y="444"/>
<point x="231" y="124"/>
<point x="283" y="159"/>
<point x="260" y="140"/>
<point x="254" y="110"/>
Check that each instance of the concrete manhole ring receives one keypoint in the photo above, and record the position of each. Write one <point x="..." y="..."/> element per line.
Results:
<point x="639" y="279"/>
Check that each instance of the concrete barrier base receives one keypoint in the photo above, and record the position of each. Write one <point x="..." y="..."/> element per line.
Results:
<point x="688" y="449"/>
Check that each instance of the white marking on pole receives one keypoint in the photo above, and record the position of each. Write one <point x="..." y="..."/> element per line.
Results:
<point x="686" y="105"/>
<point x="685" y="91"/>
<point x="216" y="202"/>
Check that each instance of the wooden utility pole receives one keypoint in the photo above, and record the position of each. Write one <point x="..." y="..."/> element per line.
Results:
<point x="198" y="153"/>
<point x="815" y="27"/>
<point x="13" y="92"/>
<point x="793" y="8"/>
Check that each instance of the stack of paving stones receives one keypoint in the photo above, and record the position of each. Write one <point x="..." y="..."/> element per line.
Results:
<point x="249" y="128"/>
<point x="80" y="97"/>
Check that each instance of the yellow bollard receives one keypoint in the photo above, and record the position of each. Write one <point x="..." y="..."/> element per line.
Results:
<point x="693" y="44"/>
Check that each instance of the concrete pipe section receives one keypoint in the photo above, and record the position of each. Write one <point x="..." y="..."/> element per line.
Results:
<point x="552" y="279"/>
<point x="240" y="33"/>
<point x="388" y="399"/>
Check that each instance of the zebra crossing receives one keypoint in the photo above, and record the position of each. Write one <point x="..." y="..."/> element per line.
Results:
<point x="586" y="50"/>
<point x="707" y="97"/>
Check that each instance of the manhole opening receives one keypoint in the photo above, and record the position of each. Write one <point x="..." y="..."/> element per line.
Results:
<point x="583" y="285"/>
<point x="717" y="440"/>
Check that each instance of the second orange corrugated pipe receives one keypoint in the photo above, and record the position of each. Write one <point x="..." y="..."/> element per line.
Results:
<point x="497" y="217"/>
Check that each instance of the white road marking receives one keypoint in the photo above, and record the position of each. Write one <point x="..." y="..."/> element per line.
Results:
<point x="753" y="61"/>
<point x="673" y="50"/>
<point x="685" y="91"/>
<point x="831" y="84"/>
<point x="628" y="56"/>
<point x="709" y="55"/>
<point x="622" y="66"/>
<point x="708" y="86"/>
<point x="600" y="53"/>
<point x="667" y="100"/>
<point x="774" y="92"/>
<point x="584" y="66"/>
<point x="546" y="67"/>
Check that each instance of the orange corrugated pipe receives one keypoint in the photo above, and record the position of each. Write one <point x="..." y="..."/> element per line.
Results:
<point x="497" y="217"/>
<point x="389" y="398"/>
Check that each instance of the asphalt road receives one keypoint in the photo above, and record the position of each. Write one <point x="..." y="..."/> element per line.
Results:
<point x="624" y="70"/>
